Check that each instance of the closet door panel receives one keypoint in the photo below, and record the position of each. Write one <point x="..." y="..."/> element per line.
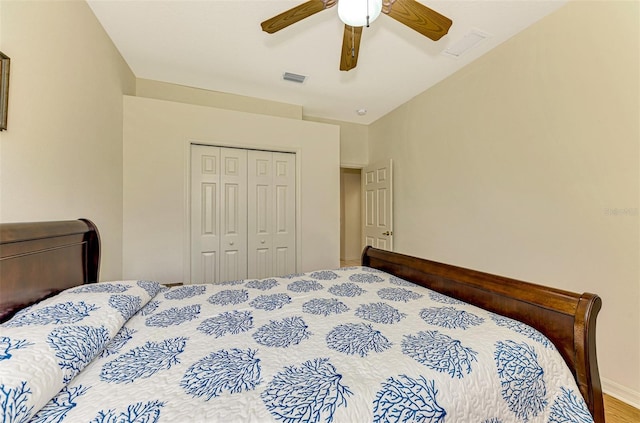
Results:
<point x="261" y="264"/>
<point x="233" y="214"/>
<point x="208" y="267"/>
<point x="205" y="202"/>
<point x="260" y="214"/>
<point x="284" y="213"/>
<point x="233" y="270"/>
<point x="209" y="212"/>
<point x="284" y="261"/>
<point x="261" y="206"/>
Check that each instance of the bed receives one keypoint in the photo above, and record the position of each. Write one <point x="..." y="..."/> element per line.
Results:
<point x="396" y="339"/>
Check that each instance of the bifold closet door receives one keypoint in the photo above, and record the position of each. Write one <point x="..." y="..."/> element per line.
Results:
<point x="271" y="214"/>
<point x="218" y="214"/>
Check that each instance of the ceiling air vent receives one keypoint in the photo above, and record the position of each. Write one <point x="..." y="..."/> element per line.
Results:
<point x="469" y="41"/>
<point x="294" y="77"/>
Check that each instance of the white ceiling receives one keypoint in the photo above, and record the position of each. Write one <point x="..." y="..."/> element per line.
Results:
<point x="218" y="45"/>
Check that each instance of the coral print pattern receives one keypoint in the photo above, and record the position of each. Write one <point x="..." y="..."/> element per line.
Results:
<point x="342" y="345"/>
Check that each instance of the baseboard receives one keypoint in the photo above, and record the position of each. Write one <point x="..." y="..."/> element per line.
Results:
<point x="620" y="392"/>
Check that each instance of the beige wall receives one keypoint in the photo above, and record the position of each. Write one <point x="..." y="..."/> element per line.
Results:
<point x="182" y="94"/>
<point x="354" y="142"/>
<point x="354" y="155"/>
<point x="526" y="164"/>
<point x="61" y="157"/>
<point x="156" y="150"/>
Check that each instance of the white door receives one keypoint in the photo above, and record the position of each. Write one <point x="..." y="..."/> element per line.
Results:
<point x="284" y="213"/>
<point x="377" y="205"/>
<point x="271" y="214"/>
<point x="218" y="214"/>
<point x="260" y="224"/>
<point x="233" y="214"/>
<point x="205" y="232"/>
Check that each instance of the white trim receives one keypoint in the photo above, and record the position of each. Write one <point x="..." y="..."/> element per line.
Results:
<point x="356" y="258"/>
<point x="352" y="165"/>
<point x="620" y="392"/>
<point x="186" y="244"/>
<point x="298" y="153"/>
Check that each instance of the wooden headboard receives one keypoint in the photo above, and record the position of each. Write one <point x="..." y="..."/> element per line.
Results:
<point x="566" y="318"/>
<point x="40" y="259"/>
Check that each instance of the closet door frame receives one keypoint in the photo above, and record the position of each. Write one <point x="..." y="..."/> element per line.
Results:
<point x="187" y="195"/>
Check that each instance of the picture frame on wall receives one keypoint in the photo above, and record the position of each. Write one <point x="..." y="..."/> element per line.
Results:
<point x="4" y="89"/>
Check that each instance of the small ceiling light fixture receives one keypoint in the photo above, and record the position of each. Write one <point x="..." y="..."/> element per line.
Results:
<point x="361" y="112"/>
<point x="359" y="12"/>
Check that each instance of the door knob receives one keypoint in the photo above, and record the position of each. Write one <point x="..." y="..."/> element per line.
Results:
<point x="262" y="241"/>
<point x="230" y="242"/>
<point x="388" y="233"/>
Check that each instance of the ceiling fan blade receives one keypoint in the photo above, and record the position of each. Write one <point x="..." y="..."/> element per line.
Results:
<point x="296" y="14"/>
<point x="418" y="17"/>
<point x="350" y="47"/>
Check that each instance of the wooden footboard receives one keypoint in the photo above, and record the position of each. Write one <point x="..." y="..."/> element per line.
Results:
<point x="40" y="259"/>
<point x="566" y="318"/>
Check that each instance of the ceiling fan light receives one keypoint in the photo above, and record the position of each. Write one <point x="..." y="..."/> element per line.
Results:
<point x="355" y="12"/>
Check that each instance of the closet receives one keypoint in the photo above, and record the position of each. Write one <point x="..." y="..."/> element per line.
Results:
<point x="243" y="211"/>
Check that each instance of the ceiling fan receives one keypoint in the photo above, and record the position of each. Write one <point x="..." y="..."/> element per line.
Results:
<point x="358" y="13"/>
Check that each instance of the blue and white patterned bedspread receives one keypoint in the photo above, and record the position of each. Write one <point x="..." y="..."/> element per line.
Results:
<point x="348" y="345"/>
